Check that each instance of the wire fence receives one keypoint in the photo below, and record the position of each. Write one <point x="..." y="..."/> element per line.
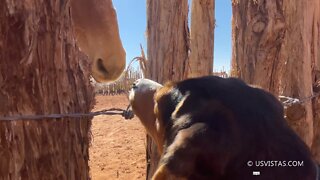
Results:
<point x="124" y="83"/>
<point x="289" y="101"/>
<point x="126" y="113"/>
<point x="121" y="86"/>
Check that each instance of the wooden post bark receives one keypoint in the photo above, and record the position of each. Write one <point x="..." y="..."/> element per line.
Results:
<point x="168" y="39"/>
<point x="276" y="46"/>
<point x="202" y="38"/>
<point x="168" y="47"/>
<point x="315" y="61"/>
<point x="42" y="72"/>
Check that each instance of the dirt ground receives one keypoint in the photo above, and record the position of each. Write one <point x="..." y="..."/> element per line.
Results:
<point x="118" y="145"/>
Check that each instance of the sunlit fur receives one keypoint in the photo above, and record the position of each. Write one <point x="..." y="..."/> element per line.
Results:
<point x="142" y="102"/>
<point x="97" y="34"/>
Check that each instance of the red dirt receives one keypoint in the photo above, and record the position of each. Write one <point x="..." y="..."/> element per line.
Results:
<point x="118" y="145"/>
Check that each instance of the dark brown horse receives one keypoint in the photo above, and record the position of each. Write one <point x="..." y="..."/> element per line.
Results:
<point x="212" y="128"/>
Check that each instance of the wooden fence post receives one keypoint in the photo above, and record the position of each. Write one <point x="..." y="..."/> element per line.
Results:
<point x="42" y="72"/>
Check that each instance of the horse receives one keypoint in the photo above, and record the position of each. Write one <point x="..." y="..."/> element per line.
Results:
<point x="97" y="34"/>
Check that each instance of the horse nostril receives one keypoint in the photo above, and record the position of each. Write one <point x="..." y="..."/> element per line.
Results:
<point x="134" y="85"/>
<point x="101" y="67"/>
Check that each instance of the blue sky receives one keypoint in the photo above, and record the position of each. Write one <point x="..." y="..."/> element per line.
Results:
<point x="132" y="23"/>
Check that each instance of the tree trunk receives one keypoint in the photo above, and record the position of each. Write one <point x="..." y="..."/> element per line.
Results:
<point x="42" y="72"/>
<point x="168" y="47"/>
<point x="168" y="39"/>
<point x="315" y="59"/>
<point x="202" y="38"/>
<point x="276" y="46"/>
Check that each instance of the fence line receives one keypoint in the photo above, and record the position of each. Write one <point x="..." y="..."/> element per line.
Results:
<point x="126" y="113"/>
<point x="121" y="86"/>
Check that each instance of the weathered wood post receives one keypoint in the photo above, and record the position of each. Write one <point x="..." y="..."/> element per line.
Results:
<point x="169" y="47"/>
<point x="42" y="72"/>
<point x="276" y="46"/>
<point x="202" y="38"/>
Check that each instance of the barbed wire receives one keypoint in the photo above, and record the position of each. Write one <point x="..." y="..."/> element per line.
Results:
<point x="126" y="113"/>
<point x="289" y="101"/>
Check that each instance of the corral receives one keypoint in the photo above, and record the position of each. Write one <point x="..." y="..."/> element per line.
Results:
<point x="49" y="51"/>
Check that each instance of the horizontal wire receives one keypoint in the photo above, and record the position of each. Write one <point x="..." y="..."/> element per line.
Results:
<point x="128" y="114"/>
